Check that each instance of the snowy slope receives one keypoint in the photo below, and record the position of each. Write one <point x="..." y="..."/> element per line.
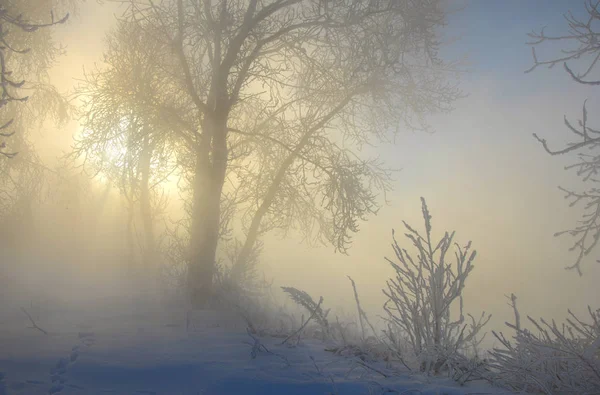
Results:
<point x="130" y="353"/>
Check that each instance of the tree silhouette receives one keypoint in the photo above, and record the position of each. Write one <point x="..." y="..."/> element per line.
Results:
<point x="270" y="104"/>
<point x="585" y="35"/>
<point x="9" y="83"/>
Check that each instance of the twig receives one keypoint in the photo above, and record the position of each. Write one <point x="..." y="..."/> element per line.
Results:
<point x="388" y="390"/>
<point x="513" y="304"/>
<point x="306" y="323"/>
<point x="373" y="369"/>
<point x="35" y="326"/>
<point x="316" y="366"/>
<point x="258" y="346"/>
<point x="360" y="310"/>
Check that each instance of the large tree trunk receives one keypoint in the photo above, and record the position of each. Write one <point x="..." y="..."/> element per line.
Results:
<point x="149" y="252"/>
<point x="129" y="237"/>
<point x="211" y="165"/>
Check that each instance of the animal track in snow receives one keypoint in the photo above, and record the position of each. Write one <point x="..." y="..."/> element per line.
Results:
<point x="60" y="369"/>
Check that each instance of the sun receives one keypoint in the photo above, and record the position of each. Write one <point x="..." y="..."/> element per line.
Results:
<point x="115" y="156"/>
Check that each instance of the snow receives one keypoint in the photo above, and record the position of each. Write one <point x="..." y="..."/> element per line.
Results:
<point x="124" y="351"/>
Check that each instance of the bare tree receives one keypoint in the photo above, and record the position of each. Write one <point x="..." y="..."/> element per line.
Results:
<point x="121" y="138"/>
<point x="11" y="18"/>
<point x="27" y="100"/>
<point x="584" y="34"/>
<point x="272" y="102"/>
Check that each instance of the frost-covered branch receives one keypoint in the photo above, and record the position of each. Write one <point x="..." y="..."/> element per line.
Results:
<point x="585" y="36"/>
<point x="316" y="311"/>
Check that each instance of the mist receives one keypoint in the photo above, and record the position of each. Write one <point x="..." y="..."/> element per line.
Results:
<point x="481" y="172"/>
<point x="78" y="252"/>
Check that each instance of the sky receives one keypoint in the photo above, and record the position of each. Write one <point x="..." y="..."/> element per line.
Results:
<point x="481" y="171"/>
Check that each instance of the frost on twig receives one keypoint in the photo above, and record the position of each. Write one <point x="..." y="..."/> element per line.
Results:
<point x="513" y="305"/>
<point x="362" y="315"/>
<point x="316" y="312"/>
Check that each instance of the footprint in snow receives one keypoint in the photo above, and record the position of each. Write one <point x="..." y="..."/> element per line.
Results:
<point x="55" y="389"/>
<point x="61" y="366"/>
<point x="59" y="370"/>
<point x="87" y="338"/>
<point x="16" y="386"/>
<point x="58" y="378"/>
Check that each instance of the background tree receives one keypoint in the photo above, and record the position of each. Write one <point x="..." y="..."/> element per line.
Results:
<point x="16" y="43"/>
<point x="27" y="99"/>
<point x="122" y="137"/>
<point x="273" y="101"/>
<point x="584" y="35"/>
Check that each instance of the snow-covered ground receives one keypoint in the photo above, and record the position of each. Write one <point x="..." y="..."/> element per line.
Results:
<point x="125" y="351"/>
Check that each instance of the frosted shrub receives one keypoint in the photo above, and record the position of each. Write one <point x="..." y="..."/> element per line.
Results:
<point x="551" y="359"/>
<point x="421" y="295"/>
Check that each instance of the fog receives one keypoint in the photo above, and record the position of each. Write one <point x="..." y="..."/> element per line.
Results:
<point x="480" y="171"/>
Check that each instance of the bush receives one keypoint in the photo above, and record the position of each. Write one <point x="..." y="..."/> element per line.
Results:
<point x="421" y="296"/>
<point x="561" y="359"/>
